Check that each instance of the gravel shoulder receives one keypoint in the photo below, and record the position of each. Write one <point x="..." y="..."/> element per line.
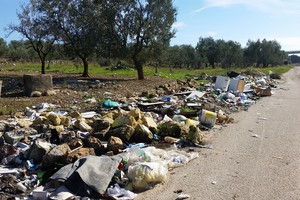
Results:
<point x="256" y="158"/>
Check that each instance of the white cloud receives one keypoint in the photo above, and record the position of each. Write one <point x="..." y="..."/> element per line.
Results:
<point x="270" y="6"/>
<point x="289" y="43"/>
<point x="178" y="25"/>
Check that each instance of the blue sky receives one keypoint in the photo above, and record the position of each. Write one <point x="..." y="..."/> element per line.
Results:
<point x="237" y="20"/>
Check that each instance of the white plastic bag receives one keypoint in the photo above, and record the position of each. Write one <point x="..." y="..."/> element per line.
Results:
<point x="145" y="175"/>
<point x="119" y="193"/>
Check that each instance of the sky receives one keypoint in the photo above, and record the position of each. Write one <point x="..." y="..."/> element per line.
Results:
<point x="237" y="20"/>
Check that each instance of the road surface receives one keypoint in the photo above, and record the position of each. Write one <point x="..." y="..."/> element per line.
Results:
<point x="240" y="166"/>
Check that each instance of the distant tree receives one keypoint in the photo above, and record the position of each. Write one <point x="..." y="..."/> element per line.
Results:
<point x="189" y="55"/>
<point x="3" y="48"/>
<point x="230" y="53"/>
<point x="270" y="53"/>
<point x="207" y="49"/>
<point x="34" y="27"/>
<point x="263" y="53"/>
<point x="144" y="24"/>
<point x="175" y="56"/>
<point x="251" y="53"/>
<point x="17" y="51"/>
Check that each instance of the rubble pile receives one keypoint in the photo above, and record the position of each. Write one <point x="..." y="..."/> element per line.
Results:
<point x="110" y="153"/>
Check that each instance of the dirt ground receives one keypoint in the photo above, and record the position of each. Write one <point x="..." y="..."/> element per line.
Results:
<point x="257" y="158"/>
<point x="71" y="90"/>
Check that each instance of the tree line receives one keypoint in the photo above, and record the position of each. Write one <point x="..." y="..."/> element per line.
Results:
<point x="137" y="32"/>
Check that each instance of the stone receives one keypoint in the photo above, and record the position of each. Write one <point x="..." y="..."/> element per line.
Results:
<point x="38" y="150"/>
<point x="124" y="120"/>
<point x="75" y="143"/>
<point x="57" y="155"/>
<point x="136" y="113"/>
<point x="79" y="153"/>
<point x="115" y="114"/>
<point x="149" y="122"/>
<point x="172" y="129"/>
<point x="67" y="136"/>
<point x="65" y="121"/>
<point x="171" y="140"/>
<point x="84" y="127"/>
<point x="124" y="132"/>
<point x="95" y="143"/>
<point x="35" y="94"/>
<point x="59" y="128"/>
<point x="40" y="83"/>
<point x="54" y="118"/>
<point x="23" y="123"/>
<point x="195" y="135"/>
<point x="101" y="126"/>
<point x="142" y="134"/>
<point x="39" y="120"/>
<point x="115" y="144"/>
<point x="50" y="93"/>
<point x="75" y="114"/>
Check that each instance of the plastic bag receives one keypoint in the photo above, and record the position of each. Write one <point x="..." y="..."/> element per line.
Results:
<point x="178" y="159"/>
<point x="145" y="175"/>
<point x="119" y="193"/>
<point x="137" y="154"/>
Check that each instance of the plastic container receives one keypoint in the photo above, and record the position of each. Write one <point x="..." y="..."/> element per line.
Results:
<point x="110" y="103"/>
<point x="208" y="118"/>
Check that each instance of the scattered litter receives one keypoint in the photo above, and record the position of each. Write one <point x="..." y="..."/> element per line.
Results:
<point x="183" y="196"/>
<point x="110" y="103"/>
<point x="262" y="118"/>
<point x="119" y="193"/>
<point x="255" y="135"/>
<point x="277" y="157"/>
<point x="112" y="143"/>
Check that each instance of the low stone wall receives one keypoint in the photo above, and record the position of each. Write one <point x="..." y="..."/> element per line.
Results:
<point x="41" y="83"/>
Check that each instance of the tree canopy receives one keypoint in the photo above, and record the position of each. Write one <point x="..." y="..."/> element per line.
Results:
<point x="134" y="31"/>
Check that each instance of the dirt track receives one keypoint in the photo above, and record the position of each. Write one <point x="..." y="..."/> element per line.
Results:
<point x="241" y="166"/>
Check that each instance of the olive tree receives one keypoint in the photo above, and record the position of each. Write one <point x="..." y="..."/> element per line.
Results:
<point x="34" y="27"/>
<point x="146" y="23"/>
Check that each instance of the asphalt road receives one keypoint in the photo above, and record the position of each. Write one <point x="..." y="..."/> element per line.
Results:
<point x="240" y="166"/>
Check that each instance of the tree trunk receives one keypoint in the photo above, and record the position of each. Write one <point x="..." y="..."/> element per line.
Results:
<point x="139" y="67"/>
<point x="43" y="66"/>
<point x="85" y="67"/>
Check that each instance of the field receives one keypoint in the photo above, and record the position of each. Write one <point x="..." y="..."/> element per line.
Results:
<point x="73" y="90"/>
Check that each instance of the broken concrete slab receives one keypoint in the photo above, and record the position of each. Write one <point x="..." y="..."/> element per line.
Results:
<point x="40" y="83"/>
<point x="57" y="155"/>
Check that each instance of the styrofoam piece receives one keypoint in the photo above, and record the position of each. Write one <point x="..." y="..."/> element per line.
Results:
<point x="222" y="83"/>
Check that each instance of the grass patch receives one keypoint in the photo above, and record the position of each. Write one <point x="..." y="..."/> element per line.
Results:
<point x="171" y="73"/>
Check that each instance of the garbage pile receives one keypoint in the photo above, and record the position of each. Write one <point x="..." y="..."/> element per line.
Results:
<point x="52" y="153"/>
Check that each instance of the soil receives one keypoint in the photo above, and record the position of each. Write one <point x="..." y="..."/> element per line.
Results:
<point x="71" y="90"/>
